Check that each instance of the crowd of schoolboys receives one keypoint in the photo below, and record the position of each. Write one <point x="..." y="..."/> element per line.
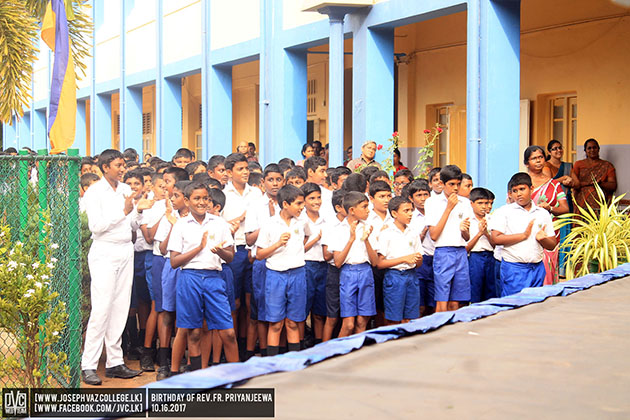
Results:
<point x="230" y="259"/>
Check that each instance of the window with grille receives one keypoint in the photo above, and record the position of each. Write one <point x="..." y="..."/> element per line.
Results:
<point x="146" y="123"/>
<point x="563" y="124"/>
<point x="200" y="116"/>
<point x="311" y="97"/>
<point x="117" y="124"/>
<point x="442" y="142"/>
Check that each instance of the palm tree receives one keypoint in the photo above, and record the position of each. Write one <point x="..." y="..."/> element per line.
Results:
<point x="20" y="21"/>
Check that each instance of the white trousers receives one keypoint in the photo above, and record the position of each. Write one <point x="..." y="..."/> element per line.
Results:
<point x="111" y="270"/>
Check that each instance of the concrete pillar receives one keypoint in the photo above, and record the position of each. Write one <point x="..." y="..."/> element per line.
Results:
<point x="220" y="111"/>
<point x="40" y="138"/>
<point x="335" y="86"/>
<point x="133" y="121"/>
<point x="80" y="131"/>
<point x="102" y="123"/>
<point x="171" y="127"/>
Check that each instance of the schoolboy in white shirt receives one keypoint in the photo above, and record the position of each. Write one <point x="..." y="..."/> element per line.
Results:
<point x="480" y="249"/>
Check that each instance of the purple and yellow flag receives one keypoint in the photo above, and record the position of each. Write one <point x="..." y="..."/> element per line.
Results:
<point x="63" y="90"/>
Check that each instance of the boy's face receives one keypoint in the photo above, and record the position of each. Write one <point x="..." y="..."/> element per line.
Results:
<point x="489" y="208"/>
<point x="115" y="170"/>
<point x="451" y="187"/>
<point x="522" y="194"/>
<point x="200" y="169"/>
<point x="148" y="185"/>
<point x="198" y="202"/>
<point x="360" y="211"/>
<point x="464" y="190"/>
<point x="295" y="181"/>
<point x="480" y="207"/>
<point x="318" y="176"/>
<point x="181" y="162"/>
<point x="159" y="189"/>
<point x="169" y="183"/>
<point x="340" y="181"/>
<point x="239" y="173"/>
<point x="214" y="209"/>
<point x="399" y="184"/>
<point x="219" y="173"/>
<point x="403" y="214"/>
<point x="178" y="200"/>
<point x="419" y="198"/>
<point x="380" y="200"/>
<point x="273" y="182"/>
<point x="295" y="208"/>
<point x="313" y="201"/>
<point x="135" y="184"/>
<point x="86" y="168"/>
<point x="436" y="184"/>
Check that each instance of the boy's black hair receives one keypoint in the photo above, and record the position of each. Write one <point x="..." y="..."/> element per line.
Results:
<point x="183" y="152"/>
<point x="395" y="203"/>
<point x="352" y="199"/>
<point x="217" y="197"/>
<point x="130" y="154"/>
<point x="379" y="186"/>
<point x="214" y="183"/>
<point x="450" y="172"/>
<point x="309" y="188"/>
<point x="232" y="159"/>
<point x="337" y="198"/>
<point x="378" y="174"/>
<point x="215" y="161"/>
<point x="338" y="172"/>
<point x="87" y="161"/>
<point x="478" y="193"/>
<point x="491" y="195"/>
<point x="193" y="166"/>
<point x="285" y="166"/>
<point x="272" y="168"/>
<point x="178" y="173"/>
<point x="133" y="174"/>
<point x="131" y="165"/>
<point x="155" y="161"/>
<point x="406" y="173"/>
<point x="254" y="166"/>
<point x="161" y="167"/>
<point x="296" y="172"/>
<point x="146" y="171"/>
<point x="417" y="185"/>
<point x="202" y="177"/>
<point x="287" y="161"/>
<point x="156" y="176"/>
<point x="107" y="157"/>
<point x="88" y="178"/>
<point x="10" y="150"/>
<point x="181" y="185"/>
<point x="188" y="190"/>
<point x="313" y="163"/>
<point x="368" y="171"/>
<point x="288" y="194"/>
<point x="255" y="178"/>
<point x="520" y="178"/>
<point x="355" y="182"/>
<point x="466" y="176"/>
<point x="433" y="172"/>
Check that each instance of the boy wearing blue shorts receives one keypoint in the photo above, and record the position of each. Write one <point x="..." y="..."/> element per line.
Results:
<point x="448" y="217"/>
<point x="197" y="244"/>
<point x="354" y="256"/>
<point x="524" y="230"/>
<point x="480" y="248"/>
<point x="400" y="252"/>
<point x="281" y="242"/>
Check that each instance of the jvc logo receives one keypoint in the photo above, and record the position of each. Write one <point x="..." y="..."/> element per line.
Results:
<point x="15" y="402"/>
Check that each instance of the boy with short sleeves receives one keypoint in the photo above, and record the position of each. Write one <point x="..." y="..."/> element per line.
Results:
<point x="448" y="217"/>
<point x="524" y="230"/>
<point x="480" y="249"/>
<point x="315" y="168"/>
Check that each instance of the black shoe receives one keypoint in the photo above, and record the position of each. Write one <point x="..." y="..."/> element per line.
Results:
<point x="146" y="362"/>
<point x="134" y="353"/>
<point x="121" y="371"/>
<point x="163" y="372"/>
<point x="90" y="377"/>
<point x="185" y="368"/>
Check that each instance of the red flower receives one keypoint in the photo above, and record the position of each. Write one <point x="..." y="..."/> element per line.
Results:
<point x="379" y="147"/>
<point x="427" y="131"/>
<point x="395" y="134"/>
<point x="440" y="130"/>
<point x="357" y="165"/>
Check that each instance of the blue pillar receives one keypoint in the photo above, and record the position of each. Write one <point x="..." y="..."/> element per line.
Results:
<point x="159" y="139"/>
<point x="122" y="89"/>
<point x="102" y="123"/>
<point x="265" y="142"/>
<point x="335" y="87"/>
<point x="24" y="139"/>
<point x="205" y="69"/>
<point x="220" y="111"/>
<point x="498" y="76"/>
<point x="40" y="138"/>
<point x="10" y="134"/>
<point x="171" y="127"/>
<point x="133" y="121"/>
<point x="372" y="88"/>
<point x="80" y="136"/>
<point x="97" y="18"/>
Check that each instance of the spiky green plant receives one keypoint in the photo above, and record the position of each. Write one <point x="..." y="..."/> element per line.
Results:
<point x="599" y="235"/>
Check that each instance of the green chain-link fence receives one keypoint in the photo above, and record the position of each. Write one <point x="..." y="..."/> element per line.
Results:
<point x="34" y="188"/>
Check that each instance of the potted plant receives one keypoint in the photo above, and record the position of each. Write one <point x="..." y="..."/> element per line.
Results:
<point x="599" y="239"/>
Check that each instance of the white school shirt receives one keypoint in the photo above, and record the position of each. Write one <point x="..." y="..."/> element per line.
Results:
<point x="483" y="244"/>
<point x="378" y="225"/>
<point x="394" y="243"/>
<point x="153" y="216"/>
<point x="316" y="253"/>
<point x="258" y="214"/>
<point x="187" y="233"/>
<point x="141" y="244"/>
<point x="418" y="223"/>
<point x="358" y="252"/>
<point x="327" y="211"/>
<point x="162" y="232"/>
<point x="105" y="208"/>
<point x="451" y="235"/>
<point x="498" y="249"/>
<point x="237" y="204"/>
<point x="514" y="219"/>
<point x="290" y="255"/>
<point x="330" y="230"/>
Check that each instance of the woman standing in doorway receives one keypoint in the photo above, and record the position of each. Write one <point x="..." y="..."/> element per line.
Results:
<point x="593" y="170"/>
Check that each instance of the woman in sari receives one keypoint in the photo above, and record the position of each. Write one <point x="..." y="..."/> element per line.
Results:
<point x="547" y="193"/>
<point x="587" y="172"/>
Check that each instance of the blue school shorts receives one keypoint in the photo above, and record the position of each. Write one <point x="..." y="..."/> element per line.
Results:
<point x="481" y="270"/>
<point x="332" y="292"/>
<point x="356" y="290"/>
<point x="148" y="270"/>
<point x="497" y="278"/>
<point x="169" y="286"/>
<point x="257" y="301"/>
<point x="156" y="281"/>
<point x="517" y="276"/>
<point x="401" y="293"/>
<point x="227" y="275"/>
<point x="316" y="272"/>
<point x="202" y="294"/>
<point x="450" y="268"/>
<point x="140" y="291"/>
<point x="425" y="281"/>
<point x="242" y="271"/>
<point x="285" y="295"/>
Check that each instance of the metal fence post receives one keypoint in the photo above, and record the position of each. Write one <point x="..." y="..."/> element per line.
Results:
<point x="42" y="179"/>
<point x="23" y="194"/>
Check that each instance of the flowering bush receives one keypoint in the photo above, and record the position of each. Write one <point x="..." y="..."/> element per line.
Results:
<point x="30" y="316"/>
<point x="425" y="153"/>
